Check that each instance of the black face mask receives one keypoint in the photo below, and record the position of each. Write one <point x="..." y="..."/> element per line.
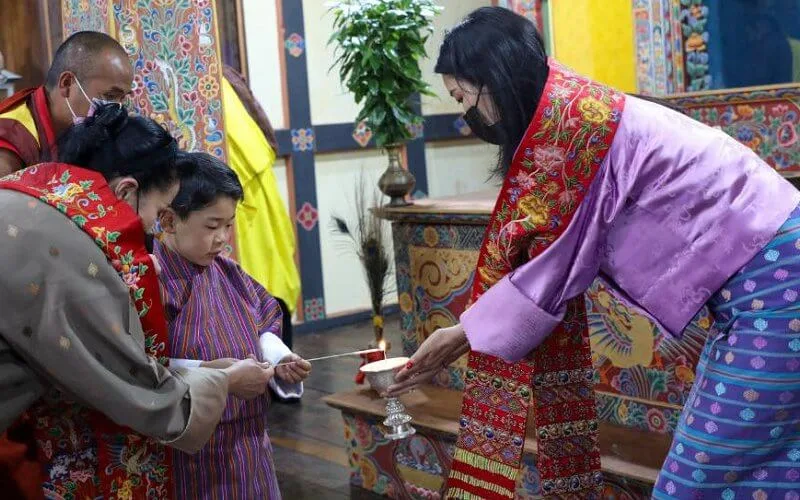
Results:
<point x="492" y="134"/>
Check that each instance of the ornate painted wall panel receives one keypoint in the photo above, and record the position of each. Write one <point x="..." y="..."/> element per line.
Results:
<point x="415" y="468"/>
<point x="174" y="48"/>
<point x="85" y="15"/>
<point x="673" y="39"/>
<point x="435" y="264"/>
<point x="643" y="375"/>
<point x="698" y="45"/>
<point x="672" y="43"/>
<point x="766" y="120"/>
<point x="659" y="46"/>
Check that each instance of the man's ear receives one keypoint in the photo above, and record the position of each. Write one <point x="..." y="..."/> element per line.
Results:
<point x="65" y="81"/>
<point x="168" y="221"/>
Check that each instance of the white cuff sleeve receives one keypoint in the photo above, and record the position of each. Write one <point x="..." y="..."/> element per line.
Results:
<point x="184" y="363"/>
<point x="286" y="390"/>
<point x="273" y="349"/>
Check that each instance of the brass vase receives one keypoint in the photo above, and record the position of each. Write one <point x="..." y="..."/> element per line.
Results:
<point x="396" y="182"/>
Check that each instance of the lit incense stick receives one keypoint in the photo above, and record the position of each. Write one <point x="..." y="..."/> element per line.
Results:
<point x="354" y="353"/>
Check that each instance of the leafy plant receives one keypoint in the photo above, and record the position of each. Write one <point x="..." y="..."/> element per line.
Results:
<point x="378" y="46"/>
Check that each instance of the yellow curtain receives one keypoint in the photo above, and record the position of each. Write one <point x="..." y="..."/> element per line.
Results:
<point x="265" y="239"/>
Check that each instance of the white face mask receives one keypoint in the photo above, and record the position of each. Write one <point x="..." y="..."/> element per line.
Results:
<point x="93" y="105"/>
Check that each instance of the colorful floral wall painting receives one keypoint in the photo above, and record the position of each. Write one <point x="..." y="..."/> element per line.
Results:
<point x="659" y="46"/>
<point x="672" y="57"/>
<point x="85" y="15"/>
<point x="766" y="120"/>
<point x="693" y="19"/>
<point x="174" y="48"/>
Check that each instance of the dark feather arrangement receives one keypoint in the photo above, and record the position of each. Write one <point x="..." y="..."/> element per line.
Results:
<point x="367" y="238"/>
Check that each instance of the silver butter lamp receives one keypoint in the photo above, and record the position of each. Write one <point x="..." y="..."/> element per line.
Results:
<point x="380" y="375"/>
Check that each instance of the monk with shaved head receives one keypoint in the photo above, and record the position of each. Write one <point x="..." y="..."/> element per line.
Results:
<point x="88" y="67"/>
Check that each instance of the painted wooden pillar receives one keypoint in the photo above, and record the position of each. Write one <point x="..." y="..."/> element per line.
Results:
<point x="303" y="165"/>
<point x="595" y="38"/>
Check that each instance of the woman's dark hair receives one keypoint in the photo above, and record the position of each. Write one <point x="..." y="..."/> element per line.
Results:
<point x="502" y="53"/>
<point x="118" y="145"/>
<point x="204" y="179"/>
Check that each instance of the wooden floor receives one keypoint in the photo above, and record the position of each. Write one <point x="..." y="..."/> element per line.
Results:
<point x="308" y="436"/>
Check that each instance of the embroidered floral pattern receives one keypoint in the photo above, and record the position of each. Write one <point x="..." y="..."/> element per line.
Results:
<point x="563" y="148"/>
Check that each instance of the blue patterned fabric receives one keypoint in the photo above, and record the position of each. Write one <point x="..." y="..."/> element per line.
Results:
<point x="739" y="435"/>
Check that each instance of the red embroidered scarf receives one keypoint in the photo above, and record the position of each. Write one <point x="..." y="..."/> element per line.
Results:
<point x="552" y="170"/>
<point x="104" y="460"/>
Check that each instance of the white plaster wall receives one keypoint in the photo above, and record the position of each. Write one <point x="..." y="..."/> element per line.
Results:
<point x="456" y="167"/>
<point x="459" y="167"/>
<point x="264" y="46"/>
<point x="454" y="11"/>
<point x="337" y="175"/>
<point x="330" y="101"/>
<point x="281" y="178"/>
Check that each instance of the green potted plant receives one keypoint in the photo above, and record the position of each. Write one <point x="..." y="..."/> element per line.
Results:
<point x="378" y="47"/>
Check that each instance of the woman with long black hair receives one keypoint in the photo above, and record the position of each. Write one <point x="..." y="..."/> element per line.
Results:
<point x="676" y="215"/>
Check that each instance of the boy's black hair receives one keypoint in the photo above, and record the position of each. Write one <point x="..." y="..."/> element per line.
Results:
<point x="204" y="179"/>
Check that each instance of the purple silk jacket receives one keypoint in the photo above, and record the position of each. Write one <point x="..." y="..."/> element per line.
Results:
<point x="675" y="210"/>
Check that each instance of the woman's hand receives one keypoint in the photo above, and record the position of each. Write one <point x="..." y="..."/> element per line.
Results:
<point x="294" y="373"/>
<point x="247" y="379"/>
<point x="443" y="347"/>
<point x="218" y="363"/>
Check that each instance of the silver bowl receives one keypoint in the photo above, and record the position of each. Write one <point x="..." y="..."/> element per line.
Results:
<point x="380" y="375"/>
